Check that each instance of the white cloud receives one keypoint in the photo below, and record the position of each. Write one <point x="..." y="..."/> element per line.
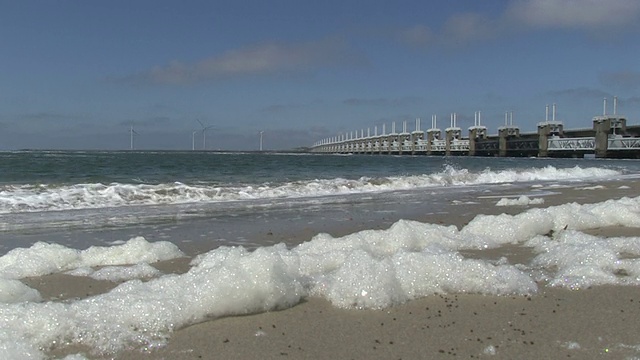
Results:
<point x="416" y="36"/>
<point x="261" y="59"/>
<point x="574" y="14"/>
<point x="459" y="29"/>
<point x="468" y="27"/>
<point x="596" y="17"/>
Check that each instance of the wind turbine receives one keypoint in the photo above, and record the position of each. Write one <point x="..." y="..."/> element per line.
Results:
<point x="204" y="134"/>
<point x="193" y="139"/>
<point x="132" y="134"/>
<point x="261" y="132"/>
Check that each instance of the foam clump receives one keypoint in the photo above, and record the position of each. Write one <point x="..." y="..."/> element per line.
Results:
<point x="13" y="291"/>
<point x="228" y="281"/>
<point x="520" y="201"/>
<point x="135" y="251"/>
<point x="539" y="221"/>
<point x="118" y="273"/>
<point x="75" y="357"/>
<point x="379" y="268"/>
<point x="43" y="258"/>
<point x="40" y="259"/>
<point x="365" y="282"/>
<point x="583" y="260"/>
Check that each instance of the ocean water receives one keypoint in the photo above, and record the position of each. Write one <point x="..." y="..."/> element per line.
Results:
<point x="92" y="190"/>
<point x="108" y="215"/>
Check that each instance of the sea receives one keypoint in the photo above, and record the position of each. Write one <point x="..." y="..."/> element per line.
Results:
<point x="264" y="230"/>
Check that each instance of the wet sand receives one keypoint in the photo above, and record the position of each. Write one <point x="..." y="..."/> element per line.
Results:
<point x="554" y="323"/>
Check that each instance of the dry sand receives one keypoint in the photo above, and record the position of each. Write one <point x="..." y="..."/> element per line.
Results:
<point x="594" y="323"/>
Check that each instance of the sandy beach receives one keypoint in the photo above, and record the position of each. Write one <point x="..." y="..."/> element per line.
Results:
<point x="554" y="324"/>
<point x="597" y="322"/>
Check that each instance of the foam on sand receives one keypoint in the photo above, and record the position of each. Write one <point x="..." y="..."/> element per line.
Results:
<point x="370" y="269"/>
<point x="522" y="200"/>
<point x="44" y="258"/>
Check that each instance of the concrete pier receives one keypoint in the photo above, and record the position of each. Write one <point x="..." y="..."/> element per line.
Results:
<point x="609" y="133"/>
<point x="417" y="138"/>
<point x="476" y="134"/>
<point x="506" y="133"/>
<point x="546" y="131"/>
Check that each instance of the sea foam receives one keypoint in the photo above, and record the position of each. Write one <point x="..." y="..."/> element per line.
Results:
<point x="520" y="201"/>
<point x="371" y="269"/>
<point x="118" y="273"/>
<point x="30" y="198"/>
<point x="44" y="258"/>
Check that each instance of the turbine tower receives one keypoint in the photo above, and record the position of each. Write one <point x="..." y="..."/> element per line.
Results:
<point x="204" y="134"/>
<point x="193" y="139"/>
<point x="261" y="132"/>
<point x="132" y="134"/>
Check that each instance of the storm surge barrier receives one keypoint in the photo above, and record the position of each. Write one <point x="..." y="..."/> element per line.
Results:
<point x="609" y="137"/>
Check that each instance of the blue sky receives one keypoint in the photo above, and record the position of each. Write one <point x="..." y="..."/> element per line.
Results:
<point x="79" y="74"/>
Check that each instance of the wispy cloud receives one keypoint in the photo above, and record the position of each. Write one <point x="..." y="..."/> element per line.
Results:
<point x="46" y="120"/>
<point x="261" y="59"/>
<point x="382" y="101"/>
<point x="468" y="27"/>
<point x="595" y="17"/>
<point x="150" y="121"/>
<point x="417" y="36"/>
<point x="635" y="100"/>
<point x="624" y="80"/>
<point x="281" y="108"/>
<point x="579" y="93"/>
<point x="45" y="117"/>
<point x="575" y="14"/>
<point x="459" y="29"/>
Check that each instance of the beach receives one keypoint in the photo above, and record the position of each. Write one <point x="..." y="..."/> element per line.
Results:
<point x="258" y="180"/>
<point x="587" y="323"/>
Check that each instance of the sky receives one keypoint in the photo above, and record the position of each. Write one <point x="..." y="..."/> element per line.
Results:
<point x="77" y="74"/>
